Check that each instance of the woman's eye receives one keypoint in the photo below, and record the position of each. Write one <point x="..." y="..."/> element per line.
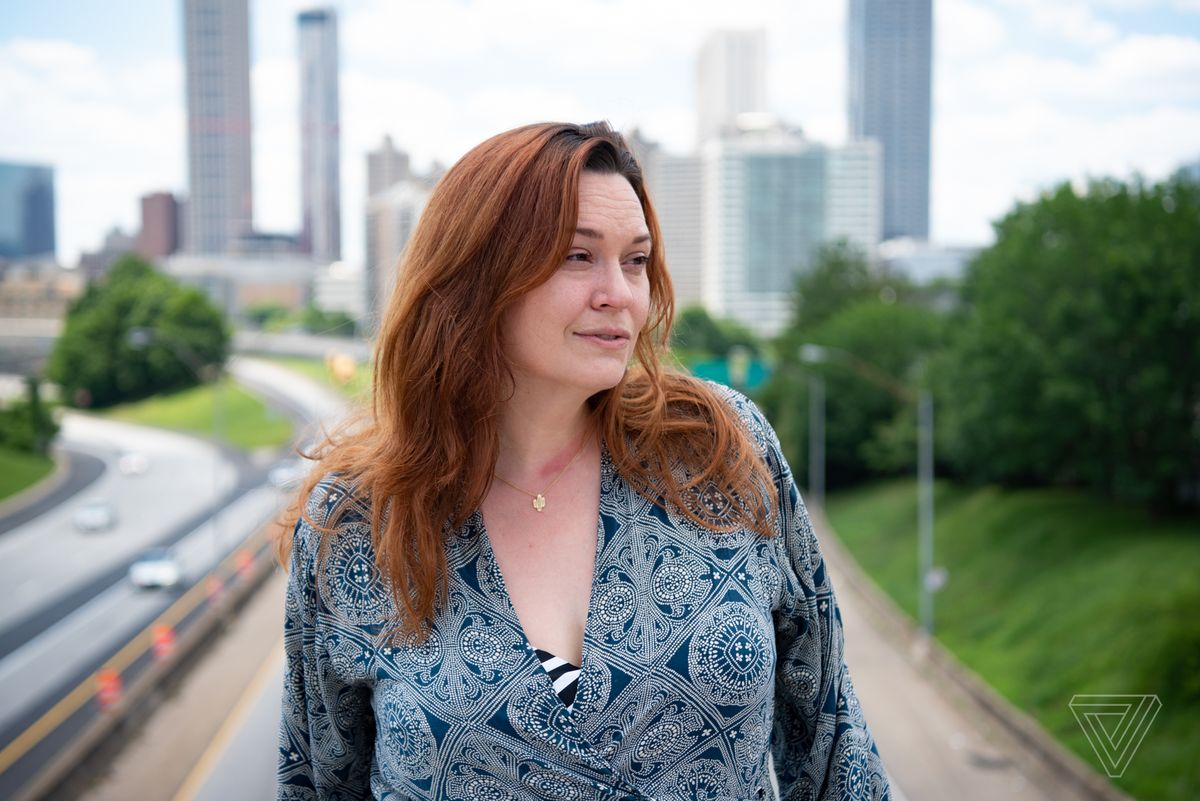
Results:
<point x="638" y="261"/>
<point x="578" y="256"/>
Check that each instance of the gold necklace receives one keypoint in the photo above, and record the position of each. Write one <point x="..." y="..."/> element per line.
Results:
<point x="539" y="498"/>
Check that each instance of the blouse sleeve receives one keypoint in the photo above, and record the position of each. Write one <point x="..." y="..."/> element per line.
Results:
<point x="327" y="730"/>
<point x="821" y="745"/>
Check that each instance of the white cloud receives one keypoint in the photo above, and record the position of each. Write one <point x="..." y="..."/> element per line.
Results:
<point x="965" y="29"/>
<point x="111" y="133"/>
<point x="1068" y="20"/>
<point x="1013" y="113"/>
<point x="275" y="89"/>
<point x="1038" y="145"/>
<point x="1023" y="115"/>
<point x="1152" y="69"/>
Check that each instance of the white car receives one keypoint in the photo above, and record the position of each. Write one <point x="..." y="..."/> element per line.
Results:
<point x="133" y="463"/>
<point x="96" y="514"/>
<point x="156" y="568"/>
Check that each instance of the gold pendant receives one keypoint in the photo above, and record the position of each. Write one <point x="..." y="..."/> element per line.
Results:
<point x="539" y="503"/>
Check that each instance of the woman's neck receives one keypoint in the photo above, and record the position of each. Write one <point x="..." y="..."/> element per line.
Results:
<point x="539" y="436"/>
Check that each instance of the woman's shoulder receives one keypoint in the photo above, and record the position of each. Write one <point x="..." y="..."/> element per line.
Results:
<point x="747" y="411"/>
<point x="333" y="508"/>
<point x="332" y="500"/>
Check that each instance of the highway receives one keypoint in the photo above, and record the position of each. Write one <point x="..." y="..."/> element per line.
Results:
<point x="47" y="558"/>
<point x="70" y="603"/>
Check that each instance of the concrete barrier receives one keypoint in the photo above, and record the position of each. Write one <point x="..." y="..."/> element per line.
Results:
<point x="73" y="767"/>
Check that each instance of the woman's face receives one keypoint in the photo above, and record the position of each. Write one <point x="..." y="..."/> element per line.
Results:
<point x="577" y="330"/>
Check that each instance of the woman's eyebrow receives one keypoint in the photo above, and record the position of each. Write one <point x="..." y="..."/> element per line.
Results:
<point x="592" y="233"/>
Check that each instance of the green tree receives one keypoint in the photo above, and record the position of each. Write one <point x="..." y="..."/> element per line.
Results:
<point x="327" y="323"/>
<point x="696" y="331"/>
<point x="840" y="277"/>
<point x="1077" y="359"/>
<point x="97" y="362"/>
<point x="870" y="429"/>
<point x="263" y="315"/>
<point x="864" y="317"/>
<point x="26" y="425"/>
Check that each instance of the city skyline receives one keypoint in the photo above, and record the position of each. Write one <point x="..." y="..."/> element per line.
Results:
<point x="1026" y="94"/>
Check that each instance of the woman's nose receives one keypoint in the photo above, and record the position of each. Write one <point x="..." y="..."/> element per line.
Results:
<point x="612" y="285"/>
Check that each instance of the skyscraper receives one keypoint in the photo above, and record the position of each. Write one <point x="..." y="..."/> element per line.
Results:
<point x="391" y="218"/>
<point x="674" y="184"/>
<point x="771" y="200"/>
<point x="217" y="49"/>
<point x="320" y="170"/>
<point x="890" y="49"/>
<point x="731" y="79"/>
<point x="26" y="210"/>
<point x="386" y="166"/>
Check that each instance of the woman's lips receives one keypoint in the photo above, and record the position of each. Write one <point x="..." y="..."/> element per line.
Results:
<point x="605" y="340"/>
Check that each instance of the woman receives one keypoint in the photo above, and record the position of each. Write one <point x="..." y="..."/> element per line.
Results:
<point x="533" y="571"/>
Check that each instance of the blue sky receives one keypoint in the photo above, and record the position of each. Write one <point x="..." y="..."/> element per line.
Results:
<point x="1027" y="93"/>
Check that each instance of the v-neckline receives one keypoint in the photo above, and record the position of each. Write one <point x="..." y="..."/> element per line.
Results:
<point x="489" y="554"/>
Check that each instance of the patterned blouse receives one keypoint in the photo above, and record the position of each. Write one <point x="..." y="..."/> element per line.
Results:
<point x="704" y="654"/>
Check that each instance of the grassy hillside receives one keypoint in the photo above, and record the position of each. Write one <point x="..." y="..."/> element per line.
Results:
<point x="20" y="470"/>
<point x="245" y="421"/>
<point x="357" y="388"/>
<point x="1052" y="594"/>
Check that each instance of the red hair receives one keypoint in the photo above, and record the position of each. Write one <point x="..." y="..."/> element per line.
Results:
<point x="499" y="223"/>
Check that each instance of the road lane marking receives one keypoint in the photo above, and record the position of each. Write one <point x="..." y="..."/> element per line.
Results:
<point x="140" y="643"/>
<point x="203" y="768"/>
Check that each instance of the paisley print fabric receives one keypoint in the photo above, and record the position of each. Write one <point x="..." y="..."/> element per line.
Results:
<point x="703" y="654"/>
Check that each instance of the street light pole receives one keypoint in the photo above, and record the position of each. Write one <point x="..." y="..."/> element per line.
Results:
<point x="929" y="579"/>
<point x="815" y="354"/>
<point x="926" y="577"/>
<point x="816" y="438"/>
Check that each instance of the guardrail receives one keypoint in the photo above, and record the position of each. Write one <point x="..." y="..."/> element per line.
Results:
<point x="52" y="756"/>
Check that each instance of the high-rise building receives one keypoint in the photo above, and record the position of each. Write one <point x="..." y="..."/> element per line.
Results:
<point x="217" y="44"/>
<point x="890" y="49"/>
<point x="771" y="199"/>
<point x="386" y="167"/>
<point x="674" y="184"/>
<point x="26" y="211"/>
<point x="159" y="236"/>
<point x="924" y="262"/>
<point x="731" y="79"/>
<point x="391" y="218"/>
<point x="340" y="287"/>
<point x="320" y="148"/>
<point x="96" y="264"/>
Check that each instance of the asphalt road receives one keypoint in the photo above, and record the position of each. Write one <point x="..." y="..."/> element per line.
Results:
<point x="69" y="602"/>
<point x="82" y="470"/>
<point x="48" y="558"/>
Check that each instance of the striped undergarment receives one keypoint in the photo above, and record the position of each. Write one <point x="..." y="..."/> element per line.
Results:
<point x="563" y="674"/>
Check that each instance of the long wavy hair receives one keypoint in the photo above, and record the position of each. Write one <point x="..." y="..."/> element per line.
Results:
<point x="421" y="459"/>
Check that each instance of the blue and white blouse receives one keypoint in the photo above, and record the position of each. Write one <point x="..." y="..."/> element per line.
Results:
<point x="703" y="654"/>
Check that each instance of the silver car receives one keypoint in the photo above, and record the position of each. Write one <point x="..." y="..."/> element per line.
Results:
<point x="156" y="568"/>
<point x="97" y="514"/>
